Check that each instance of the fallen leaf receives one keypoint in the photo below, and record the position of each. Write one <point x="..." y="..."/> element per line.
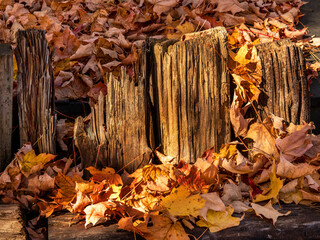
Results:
<point x="181" y="203"/>
<point x="217" y="221"/>
<point x="268" y="211"/>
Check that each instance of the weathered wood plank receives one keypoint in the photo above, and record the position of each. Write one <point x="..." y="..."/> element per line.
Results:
<point x="59" y="228"/>
<point x="12" y="222"/>
<point x="192" y="94"/>
<point x="302" y="223"/>
<point x="6" y="83"/>
<point x="284" y="83"/>
<point x="37" y="117"/>
<point x="118" y="132"/>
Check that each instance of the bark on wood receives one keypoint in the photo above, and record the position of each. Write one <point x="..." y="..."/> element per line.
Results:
<point x="6" y="83"/>
<point x="12" y="222"/>
<point x="117" y="135"/>
<point x="37" y="117"/>
<point x="284" y="83"/>
<point x="192" y="93"/>
<point x="302" y="223"/>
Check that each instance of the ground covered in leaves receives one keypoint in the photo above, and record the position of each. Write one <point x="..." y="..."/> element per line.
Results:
<point x="271" y="161"/>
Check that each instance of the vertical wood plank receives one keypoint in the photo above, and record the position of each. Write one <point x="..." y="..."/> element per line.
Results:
<point x="6" y="83"/>
<point x="193" y="93"/>
<point x="284" y="83"/>
<point x="37" y="116"/>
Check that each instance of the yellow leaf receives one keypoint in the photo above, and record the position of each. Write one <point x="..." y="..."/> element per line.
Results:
<point x="181" y="203"/>
<point x="163" y="228"/>
<point x="217" y="221"/>
<point x="187" y="27"/>
<point x="241" y="56"/>
<point x="31" y="163"/>
<point x="275" y="186"/>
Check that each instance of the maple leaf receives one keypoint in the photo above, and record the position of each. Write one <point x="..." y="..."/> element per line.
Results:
<point x="295" y="144"/>
<point x="95" y="212"/>
<point x="268" y="211"/>
<point x="66" y="188"/>
<point x="181" y="203"/>
<point x="217" y="220"/>
<point x="264" y="142"/>
<point x="107" y="174"/>
<point x="274" y="188"/>
<point x="164" y="228"/>
<point x="213" y="202"/>
<point x="30" y="163"/>
<point x="290" y="170"/>
<point x="161" y="6"/>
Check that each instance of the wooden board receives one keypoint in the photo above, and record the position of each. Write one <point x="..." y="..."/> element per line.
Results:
<point x="118" y="133"/>
<point x="12" y="222"/>
<point x="37" y="117"/>
<point x="6" y="83"/>
<point x="302" y="223"/>
<point x="59" y="228"/>
<point x="284" y="84"/>
<point x="192" y="96"/>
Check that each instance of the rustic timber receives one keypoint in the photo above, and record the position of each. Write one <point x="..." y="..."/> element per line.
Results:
<point x="117" y="135"/>
<point x="284" y="84"/>
<point x="302" y="223"/>
<point x="192" y="93"/>
<point x="62" y="227"/>
<point x="35" y="81"/>
<point x="6" y="83"/>
<point x="12" y="222"/>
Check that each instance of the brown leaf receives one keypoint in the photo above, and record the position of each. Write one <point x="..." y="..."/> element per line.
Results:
<point x="268" y="211"/>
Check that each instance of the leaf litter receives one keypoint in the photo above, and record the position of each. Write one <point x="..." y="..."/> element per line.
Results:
<point x="91" y="38"/>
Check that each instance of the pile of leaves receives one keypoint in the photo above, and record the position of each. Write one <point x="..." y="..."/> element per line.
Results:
<point x="90" y="38"/>
<point x="274" y="161"/>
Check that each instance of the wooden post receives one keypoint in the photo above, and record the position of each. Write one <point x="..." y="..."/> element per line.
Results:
<point x="284" y="83"/>
<point x="192" y="95"/>
<point x="35" y="81"/>
<point x="117" y="134"/>
<point x="12" y="222"/>
<point x="6" y="83"/>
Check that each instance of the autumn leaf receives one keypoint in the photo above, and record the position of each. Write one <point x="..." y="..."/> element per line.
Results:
<point x="31" y="163"/>
<point x="274" y="188"/>
<point x="95" y="212"/>
<point x="160" y="6"/>
<point x="66" y="188"/>
<point x="213" y="202"/>
<point x="163" y="228"/>
<point x="268" y="211"/>
<point x="108" y="174"/>
<point x="181" y="203"/>
<point x="218" y="220"/>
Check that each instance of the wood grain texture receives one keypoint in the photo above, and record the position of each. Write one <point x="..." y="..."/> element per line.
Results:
<point x="6" y="83"/>
<point x="284" y="83"/>
<point x="118" y="129"/>
<point x="12" y="222"/>
<point x="192" y="95"/>
<point x="62" y="227"/>
<point x="302" y="223"/>
<point x="35" y="81"/>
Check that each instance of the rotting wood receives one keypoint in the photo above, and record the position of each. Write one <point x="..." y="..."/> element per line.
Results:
<point x="12" y="222"/>
<point x="117" y="135"/>
<point x="35" y="81"/>
<point x="302" y="223"/>
<point x="6" y="83"/>
<point x="192" y="93"/>
<point x="284" y="89"/>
